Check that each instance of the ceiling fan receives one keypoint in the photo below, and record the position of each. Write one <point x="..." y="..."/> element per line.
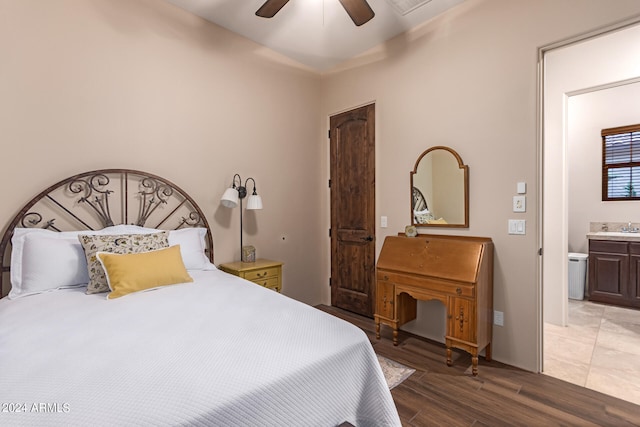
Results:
<point x="358" y="10"/>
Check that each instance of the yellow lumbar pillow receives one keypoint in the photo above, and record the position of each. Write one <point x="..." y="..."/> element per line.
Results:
<point x="437" y="221"/>
<point x="146" y="270"/>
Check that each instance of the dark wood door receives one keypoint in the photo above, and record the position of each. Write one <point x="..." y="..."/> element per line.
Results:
<point x="352" y="138"/>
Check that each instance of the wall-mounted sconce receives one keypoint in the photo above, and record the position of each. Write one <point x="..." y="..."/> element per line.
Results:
<point x="234" y="195"/>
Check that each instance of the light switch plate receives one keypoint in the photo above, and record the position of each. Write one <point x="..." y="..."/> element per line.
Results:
<point x="521" y="188"/>
<point x="519" y="203"/>
<point x="517" y="226"/>
<point x="383" y="222"/>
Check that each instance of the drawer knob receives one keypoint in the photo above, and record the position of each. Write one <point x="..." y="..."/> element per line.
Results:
<point x="459" y="291"/>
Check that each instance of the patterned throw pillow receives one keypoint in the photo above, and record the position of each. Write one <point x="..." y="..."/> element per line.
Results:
<point x="423" y="218"/>
<point x="117" y="244"/>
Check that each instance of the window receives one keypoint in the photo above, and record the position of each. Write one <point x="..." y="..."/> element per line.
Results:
<point x="621" y="163"/>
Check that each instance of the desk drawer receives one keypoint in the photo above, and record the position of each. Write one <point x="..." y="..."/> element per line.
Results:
<point x="436" y="285"/>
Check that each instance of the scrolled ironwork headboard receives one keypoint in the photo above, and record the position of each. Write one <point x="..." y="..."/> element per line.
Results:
<point x="101" y="198"/>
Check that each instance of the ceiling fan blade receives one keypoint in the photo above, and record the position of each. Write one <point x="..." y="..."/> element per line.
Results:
<point x="359" y="11"/>
<point x="270" y="8"/>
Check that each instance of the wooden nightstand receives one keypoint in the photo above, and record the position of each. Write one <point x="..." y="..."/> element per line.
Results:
<point x="264" y="272"/>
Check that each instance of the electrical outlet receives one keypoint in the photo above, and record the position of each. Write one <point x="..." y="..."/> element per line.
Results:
<point x="519" y="203"/>
<point x="498" y="318"/>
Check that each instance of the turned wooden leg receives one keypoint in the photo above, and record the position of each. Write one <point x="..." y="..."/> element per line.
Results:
<point x="474" y="365"/>
<point x="377" y="330"/>
<point x="395" y="337"/>
<point x="487" y="352"/>
<point x="449" y="361"/>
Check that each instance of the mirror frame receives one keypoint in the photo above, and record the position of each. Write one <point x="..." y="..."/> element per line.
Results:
<point x="462" y="166"/>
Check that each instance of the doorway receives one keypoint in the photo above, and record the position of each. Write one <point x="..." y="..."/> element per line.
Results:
<point x="572" y="69"/>
<point x="352" y="187"/>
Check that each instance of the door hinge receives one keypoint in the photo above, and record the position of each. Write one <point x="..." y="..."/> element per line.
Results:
<point x="329" y="183"/>
<point x="329" y="134"/>
<point x="540" y="251"/>
<point x="329" y="232"/>
<point x="329" y="281"/>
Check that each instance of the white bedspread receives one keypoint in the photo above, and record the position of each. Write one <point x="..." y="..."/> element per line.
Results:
<point x="217" y="352"/>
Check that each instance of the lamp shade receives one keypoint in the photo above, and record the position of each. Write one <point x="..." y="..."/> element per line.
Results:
<point x="254" y="202"/>
<point x="230" y="198"/>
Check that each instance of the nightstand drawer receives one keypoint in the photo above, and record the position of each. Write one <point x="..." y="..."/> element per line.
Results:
<point x="271" y="283"/>
<point x="262" y="273"/>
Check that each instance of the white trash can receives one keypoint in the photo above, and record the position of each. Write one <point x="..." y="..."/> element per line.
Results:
<point x="577" y="275"/>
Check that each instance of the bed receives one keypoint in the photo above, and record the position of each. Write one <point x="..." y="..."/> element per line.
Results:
<point x="210" y="349"/>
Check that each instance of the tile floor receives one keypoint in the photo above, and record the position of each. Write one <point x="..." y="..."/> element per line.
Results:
<point x="600" y="349"/>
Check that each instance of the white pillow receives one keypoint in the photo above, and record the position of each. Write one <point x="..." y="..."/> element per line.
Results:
<point x="192" y="246"/>
<point x="44" y="260"/>
<point x="191" y="241"/>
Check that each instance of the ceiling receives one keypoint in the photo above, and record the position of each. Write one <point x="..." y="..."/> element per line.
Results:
<point x="317" y="33"/>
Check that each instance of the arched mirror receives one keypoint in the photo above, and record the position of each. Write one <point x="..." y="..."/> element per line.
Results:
<point x="439" y="189"/>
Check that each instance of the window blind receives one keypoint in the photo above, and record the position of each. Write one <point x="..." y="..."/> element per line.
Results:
<point x="621" y="163"/>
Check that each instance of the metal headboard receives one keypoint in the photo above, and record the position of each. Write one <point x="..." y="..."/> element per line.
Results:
<point x="419" y="203"/>
<point x="101" y="198"/>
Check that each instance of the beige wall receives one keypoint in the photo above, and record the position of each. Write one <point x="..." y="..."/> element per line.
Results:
<point x="468" y="80"/>
<point x="141" y="84"/>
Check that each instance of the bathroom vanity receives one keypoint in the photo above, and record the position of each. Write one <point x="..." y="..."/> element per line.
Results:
<point x="614" y="268"/>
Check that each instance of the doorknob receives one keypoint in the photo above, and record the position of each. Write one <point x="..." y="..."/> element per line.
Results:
<point x="368" y="239"/>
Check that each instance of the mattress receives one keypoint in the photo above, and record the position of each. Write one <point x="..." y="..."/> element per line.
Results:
<point x="220" y="351"/>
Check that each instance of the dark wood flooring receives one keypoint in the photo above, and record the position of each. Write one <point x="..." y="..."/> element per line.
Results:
<point x="501" y="395"/>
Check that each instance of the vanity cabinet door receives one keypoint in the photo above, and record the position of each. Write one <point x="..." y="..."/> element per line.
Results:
<point x="609" y="272"/>
<point x="633" y="290"/>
